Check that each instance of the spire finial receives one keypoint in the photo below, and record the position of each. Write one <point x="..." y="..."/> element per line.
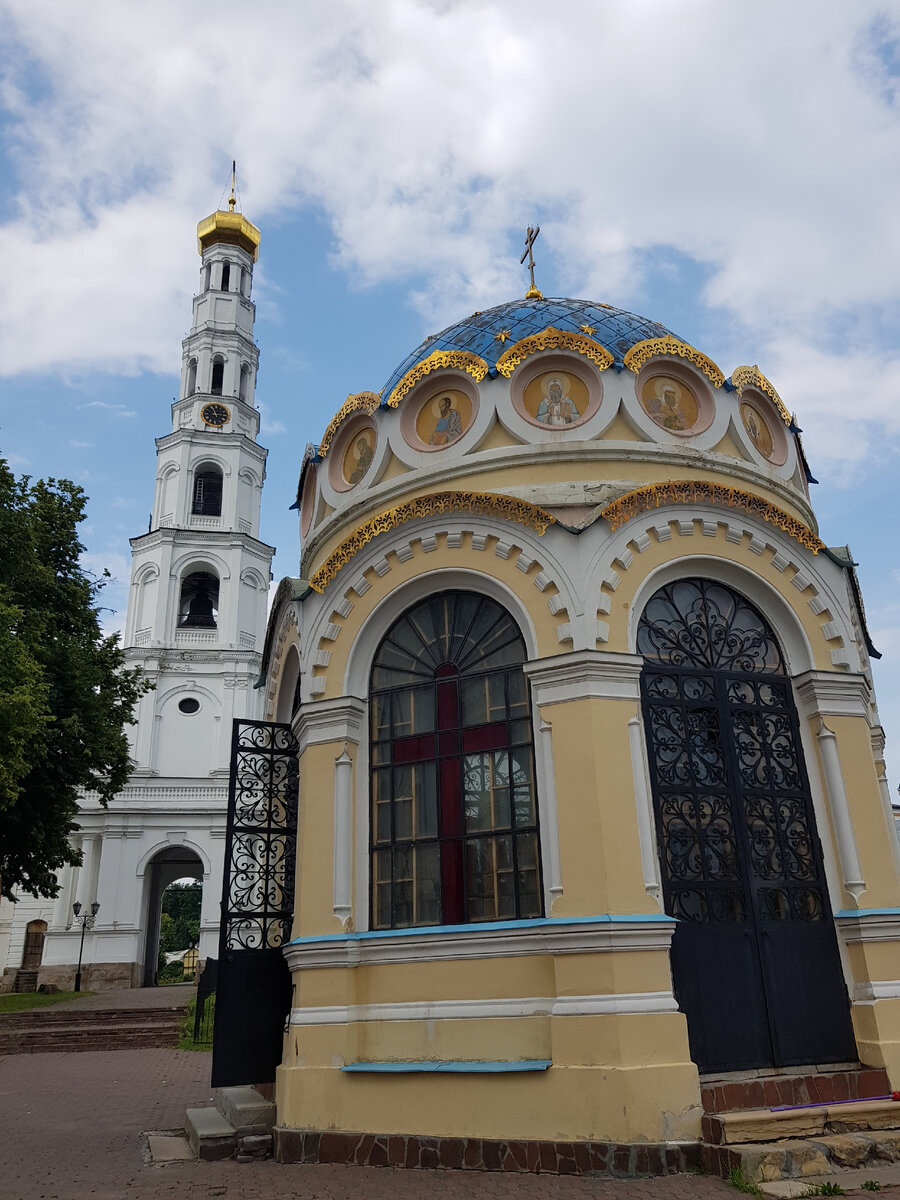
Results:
<point x="530" y="238"/>
<point x="232" y="199"/>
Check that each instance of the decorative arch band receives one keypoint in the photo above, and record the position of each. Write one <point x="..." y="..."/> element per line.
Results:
<point x="554" y="339"/>
<point x="745" y="377"/>
<point x="438" y="360"/>
<point x="642" y="352"/>
<point x="658" y="495"/>
<point x="484" y="504"/>
<point x="365" y="402"/>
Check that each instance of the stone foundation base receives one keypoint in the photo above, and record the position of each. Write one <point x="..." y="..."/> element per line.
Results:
<point x="95" y="977"/>
<point x="626" y="1161"/>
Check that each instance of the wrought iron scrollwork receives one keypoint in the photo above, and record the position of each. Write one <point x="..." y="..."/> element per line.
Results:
<point x="698" y="623"/>
<point x="735" y="826"/>
<point x="262" y="837"/>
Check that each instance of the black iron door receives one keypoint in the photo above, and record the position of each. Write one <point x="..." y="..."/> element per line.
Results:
<point x="755" y="959"/>
<point x="253" y="991"/>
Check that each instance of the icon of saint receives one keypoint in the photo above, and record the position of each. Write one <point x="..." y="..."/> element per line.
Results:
<point x="448" y="426"/>
<point x="364" y="455"/>
<point x="671" y="415"/>
<point x="557" y="407"/>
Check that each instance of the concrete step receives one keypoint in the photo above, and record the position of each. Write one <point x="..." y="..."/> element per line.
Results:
<point x="91" y="1029"/>
<point x="247" y="1111"/>
<point x="42" y="1018"/>
<point x="825" y="1157"/>
<point x="210" y="1135"/>
<point x="849" y="1181"/>
<point x="766" y="1125"/>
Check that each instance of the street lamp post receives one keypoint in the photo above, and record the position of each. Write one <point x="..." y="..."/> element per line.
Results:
<point x="86" y="922"/>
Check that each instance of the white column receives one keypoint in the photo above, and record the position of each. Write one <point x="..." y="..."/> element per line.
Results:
<point x="550" y="815"/>
<point x="343" y="835"/>
<point x="644" y="805"/>
<point x="851" y="870"/>
<point x="62" y="905"/>
<point x="87" y="878"/>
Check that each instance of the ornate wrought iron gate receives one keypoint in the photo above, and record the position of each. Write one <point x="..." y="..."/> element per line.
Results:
<point x="254" y="985"/>
<point x="754" y="958"/>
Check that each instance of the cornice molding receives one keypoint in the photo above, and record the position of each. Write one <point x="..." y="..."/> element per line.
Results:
<point x="500" y="939"/>
<point x="585" y="674"/>
<point x="833" y="693"/>
<point x="321" y="721"/>
<point x="481" y="1009"/>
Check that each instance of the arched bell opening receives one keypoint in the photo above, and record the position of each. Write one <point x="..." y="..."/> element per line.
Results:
<point x="207" y="495"/>
<point x="174" y="863"/>
<point x="755" y="950"/>
<point x="199" y="604"/>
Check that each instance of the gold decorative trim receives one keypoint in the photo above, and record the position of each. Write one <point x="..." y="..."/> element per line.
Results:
<point x="365" y="402"/>
<point x="657" y="495"/>
<point x="554" y="339"/>
<point x="483" y="504"/>
<point x="438" y="360"/>
<point x="745" y="377"/>
<point x="642" y="352"/>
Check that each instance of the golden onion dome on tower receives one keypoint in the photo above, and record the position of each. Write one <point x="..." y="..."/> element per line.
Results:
<point x="231" y="228"/>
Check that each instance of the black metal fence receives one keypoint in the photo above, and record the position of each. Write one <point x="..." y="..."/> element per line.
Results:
<point x="205" y="1010"/>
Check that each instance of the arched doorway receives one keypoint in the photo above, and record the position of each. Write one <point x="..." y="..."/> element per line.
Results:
<point x="755" y="959"/>
<point x="173" y="863"/>
<point x="33" y="950"/>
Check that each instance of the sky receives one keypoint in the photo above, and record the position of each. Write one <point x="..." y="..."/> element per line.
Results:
<point x="730" y="170"/>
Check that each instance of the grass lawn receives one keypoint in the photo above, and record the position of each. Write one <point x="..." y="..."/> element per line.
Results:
<point x="18" y="1003"/>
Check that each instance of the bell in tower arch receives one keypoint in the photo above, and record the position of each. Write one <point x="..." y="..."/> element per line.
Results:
<point x="199" y="601"/>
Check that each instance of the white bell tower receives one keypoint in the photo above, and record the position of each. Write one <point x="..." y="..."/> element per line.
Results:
<point x="200" y="575"/>
<point x="195" y="626"/>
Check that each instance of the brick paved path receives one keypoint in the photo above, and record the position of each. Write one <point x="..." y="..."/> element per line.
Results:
<point x="72" y="1125"/>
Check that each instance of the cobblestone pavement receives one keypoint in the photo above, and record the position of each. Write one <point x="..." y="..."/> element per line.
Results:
<point x="72" y="1126"/>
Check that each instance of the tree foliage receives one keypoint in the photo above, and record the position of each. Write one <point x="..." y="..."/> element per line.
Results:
<point x="65" y="693"/>
<point x="180" y="920"/>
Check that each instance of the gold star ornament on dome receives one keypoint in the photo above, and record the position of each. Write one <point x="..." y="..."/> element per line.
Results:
<point x="503" y="336"/>
<point x="589" y="330"/>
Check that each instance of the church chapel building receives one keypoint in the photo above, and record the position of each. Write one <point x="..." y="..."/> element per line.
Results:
<point x="592" y="805"/>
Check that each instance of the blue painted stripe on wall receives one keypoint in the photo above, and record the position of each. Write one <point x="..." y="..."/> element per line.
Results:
<point x="868" y="912"/>
<point x="451" y="1068"/>
<point x="489" y="926"/>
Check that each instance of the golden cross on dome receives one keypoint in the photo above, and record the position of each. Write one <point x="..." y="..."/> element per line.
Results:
<point x="232" y="199"/>
<point x="530" y="238"/>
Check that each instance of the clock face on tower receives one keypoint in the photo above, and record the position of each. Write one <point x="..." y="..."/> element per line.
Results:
<point x="215" y="414"/>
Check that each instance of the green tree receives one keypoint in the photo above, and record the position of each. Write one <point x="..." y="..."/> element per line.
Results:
<point x="181" y="907"/>
<point x="65" y="692"/>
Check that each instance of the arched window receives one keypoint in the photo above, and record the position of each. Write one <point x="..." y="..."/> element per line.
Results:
<point x="207" y="277"/>
<point x="245" y="382"/>
<point x="245" y="282"/>
<point x="218" y="375"/>
<point x="199" y="605"/>
<point x="207" y="493"/>
<point x="226" y="275"/>
<point x="754" y="951"/>
<point x="454" y="830"/>
<point x="191" y="378"/>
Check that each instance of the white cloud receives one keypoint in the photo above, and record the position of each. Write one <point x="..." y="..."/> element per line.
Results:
<point x="761" y="142"/>
<point x="267" y="423"/>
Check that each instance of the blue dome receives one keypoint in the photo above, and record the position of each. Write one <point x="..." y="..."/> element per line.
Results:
<point x="613" y="328"/>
